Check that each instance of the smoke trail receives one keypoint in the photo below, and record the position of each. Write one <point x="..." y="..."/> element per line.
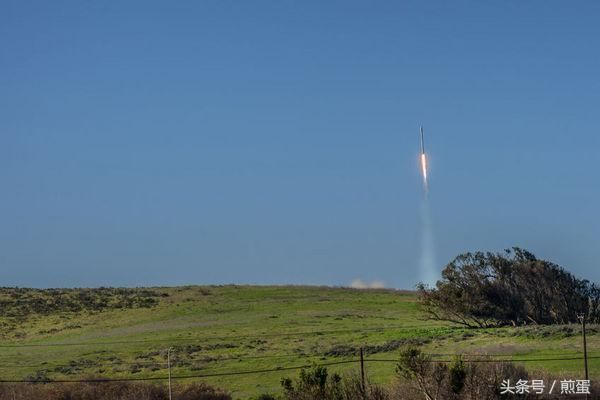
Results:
<point x="427" y="263"/>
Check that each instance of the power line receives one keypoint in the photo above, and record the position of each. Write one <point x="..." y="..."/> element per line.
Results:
<point x="331" y="363"/>
<point x="268" y="370"/>
<point x="156" y="378"/>
<point x="490" y="360"/>
<point x="210" y="359"/>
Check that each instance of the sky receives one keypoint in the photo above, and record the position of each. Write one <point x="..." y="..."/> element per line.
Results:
<point x="276" y="142"/>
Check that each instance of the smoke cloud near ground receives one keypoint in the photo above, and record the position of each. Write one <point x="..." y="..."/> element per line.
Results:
<point x="427" y="261"/>
<point x="360" y="284"/>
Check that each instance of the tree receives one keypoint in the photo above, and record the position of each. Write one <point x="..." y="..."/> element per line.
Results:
<point x="429" y="376"/>
<point x="490" y="289"/>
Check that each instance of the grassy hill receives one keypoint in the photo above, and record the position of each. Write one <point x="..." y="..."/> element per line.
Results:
<point x="219" y="330"/>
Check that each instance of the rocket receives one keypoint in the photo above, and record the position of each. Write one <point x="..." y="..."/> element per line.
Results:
<point x="423" y="160"/>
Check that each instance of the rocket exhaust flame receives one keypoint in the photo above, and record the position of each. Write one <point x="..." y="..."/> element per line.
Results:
<point x="424" y="168"/>
<point x="423" y="160"/>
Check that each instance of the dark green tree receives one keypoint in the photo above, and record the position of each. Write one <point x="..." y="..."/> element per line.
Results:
<point x="490" y="289"/>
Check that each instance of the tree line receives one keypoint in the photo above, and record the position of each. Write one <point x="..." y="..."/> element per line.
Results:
<point x="485" y="289"/>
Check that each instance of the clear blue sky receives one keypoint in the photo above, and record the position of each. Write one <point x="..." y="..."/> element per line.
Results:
<point x="276" y="141"/>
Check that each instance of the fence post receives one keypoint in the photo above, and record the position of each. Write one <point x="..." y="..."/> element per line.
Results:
<point x="169" y="366"/>
<point x="585" y="358"/>
<point x="362" y="374"/>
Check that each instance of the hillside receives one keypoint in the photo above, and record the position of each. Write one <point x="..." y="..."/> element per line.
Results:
<point x="219" y="330"/>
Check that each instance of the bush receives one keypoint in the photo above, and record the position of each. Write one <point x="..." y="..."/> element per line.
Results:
<point x="462" y="380"/>
<point x="316" y="384"/>
<point x="266" y="396"/>
<point x="109" y="391"/>
<point x="21" y="302"/>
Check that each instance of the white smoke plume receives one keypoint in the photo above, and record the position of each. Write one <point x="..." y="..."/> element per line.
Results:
<point x="360" y="284"/>
<point x="427" y="262"/>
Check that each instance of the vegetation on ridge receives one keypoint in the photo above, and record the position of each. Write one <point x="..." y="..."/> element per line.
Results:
<point x="515" y="288"/>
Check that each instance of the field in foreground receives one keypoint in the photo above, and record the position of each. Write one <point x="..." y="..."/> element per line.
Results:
<point x="218" y="333"/>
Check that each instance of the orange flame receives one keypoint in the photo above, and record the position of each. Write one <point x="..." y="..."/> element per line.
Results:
<point x="424" y="168"/>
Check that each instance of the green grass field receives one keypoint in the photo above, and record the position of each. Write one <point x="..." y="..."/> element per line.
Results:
<point x="226" y="329"/>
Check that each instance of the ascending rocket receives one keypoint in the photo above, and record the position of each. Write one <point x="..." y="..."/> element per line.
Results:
<point x="423" y="160"/>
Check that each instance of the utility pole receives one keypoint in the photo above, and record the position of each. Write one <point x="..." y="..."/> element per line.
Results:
<point x="169" y="365"/>
<point x="585" y="358"/>
<point x="362" y="374"/>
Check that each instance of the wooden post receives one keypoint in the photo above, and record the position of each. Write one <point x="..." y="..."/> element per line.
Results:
<point x="587" y="376"/>
<point x="169" y="365"/>
<point x="362" y="374"/>
<point x="585" y="358"/>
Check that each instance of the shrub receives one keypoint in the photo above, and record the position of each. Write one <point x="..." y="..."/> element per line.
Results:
<point x="109" y="391"/>
<point x="316" y="384"/>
